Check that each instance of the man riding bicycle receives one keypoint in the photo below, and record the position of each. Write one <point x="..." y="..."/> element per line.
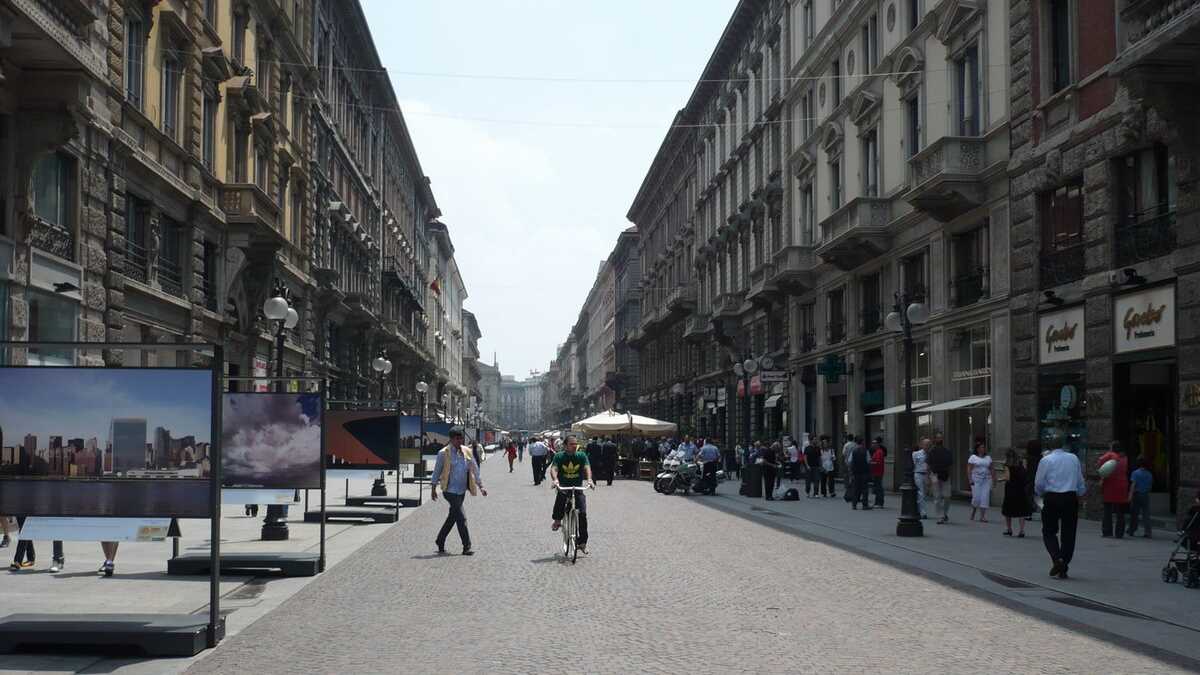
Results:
<point x="570" y="468"/>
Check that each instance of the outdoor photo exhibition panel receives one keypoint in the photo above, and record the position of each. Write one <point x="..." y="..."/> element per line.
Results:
<point x="136" y="445"/>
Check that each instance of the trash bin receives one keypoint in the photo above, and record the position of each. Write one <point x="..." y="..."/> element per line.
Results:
<point x="751" y="481"/>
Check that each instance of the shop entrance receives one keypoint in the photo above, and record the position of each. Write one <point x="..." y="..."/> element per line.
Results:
<point x="1144" y="411"/>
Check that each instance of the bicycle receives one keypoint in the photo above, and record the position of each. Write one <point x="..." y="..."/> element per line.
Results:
<point x="570" y="525"/>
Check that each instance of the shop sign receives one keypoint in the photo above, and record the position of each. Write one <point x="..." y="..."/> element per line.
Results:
<point x="260" y="370"/>
<point x="1191" y="396"/>
<point x="774" y="376"/>
<point x="1060" y="336"/>
<point x="1145" y="320"/>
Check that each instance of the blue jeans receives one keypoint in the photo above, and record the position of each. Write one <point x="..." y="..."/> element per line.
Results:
<point x="1140" y="506"/>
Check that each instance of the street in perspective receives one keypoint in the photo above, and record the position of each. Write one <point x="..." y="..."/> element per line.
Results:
<point x="708" y="336"/>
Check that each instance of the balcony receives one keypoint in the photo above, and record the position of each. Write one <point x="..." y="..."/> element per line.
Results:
<point x="1145" y="236"/>
<point x="793" y="272"/>
<point x="136" y="264"/>
<point x="249" y="209"/>
<point x="856" y="233"/>
<point x="946" y="179"/>
<point x="245" y="95"/>
<point x="681" y="299"/>
<point x="1061" y="267"/>
<point x="1162" y="38"/>
<point x="697" y="328"/>
<point x="763" y="291"/>
<point x="808" y="342"/>
<point x="728" y="304"/>
<point x="971" y="287"/>
<point x="170" y="277"/>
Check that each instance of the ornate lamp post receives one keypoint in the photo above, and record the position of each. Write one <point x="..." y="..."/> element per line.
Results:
<point x="283" y="317"/>
<point x="903" y="317"/>
<point x="383" y="366"/>
<point x="745" y="370"/>
<point x="422" y="389"/>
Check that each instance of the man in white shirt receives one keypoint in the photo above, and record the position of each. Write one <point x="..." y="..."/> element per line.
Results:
<point x="539" y="455"/>
<point x="793" y="454"/>
<point x="920" y="460"/>
<point x="1059" y="482"/>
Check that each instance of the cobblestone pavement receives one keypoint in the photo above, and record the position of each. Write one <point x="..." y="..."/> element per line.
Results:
<point x="670" y="587"/>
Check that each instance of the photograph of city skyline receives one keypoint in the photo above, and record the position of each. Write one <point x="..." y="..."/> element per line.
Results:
<point x="62" y="426"/>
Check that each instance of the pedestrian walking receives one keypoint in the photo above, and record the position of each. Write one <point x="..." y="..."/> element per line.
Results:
<point x="878" y="464"/>
<point x="860" y="468"/>
<point x="457" y="474"/>
<point x="828" y="468"/>
<point x="1114" y="489"/>
<point x="511" y="451"/>
<point x="521" y="452"/>
<point x="1059" y="482"/>
<point x="768" y="462"/>
<point x="795" y="463"/>
<point x="608" y="459"/>
<point x="981" y="480"/>
<point x="538" y="453"/>
<point x="920" y="460"/>
<point x="6" y="527"/>
<point x="940" y="461"/>
<point x="1016" y="494"/>
<point x="1140" y="484"/>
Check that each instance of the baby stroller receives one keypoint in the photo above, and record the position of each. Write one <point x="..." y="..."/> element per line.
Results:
<point x="1185" y="559"/>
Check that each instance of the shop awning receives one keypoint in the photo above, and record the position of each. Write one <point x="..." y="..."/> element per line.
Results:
<point x="899" y="409"/>
<point x="958" y="404"/>
<point x="773" y="401"/>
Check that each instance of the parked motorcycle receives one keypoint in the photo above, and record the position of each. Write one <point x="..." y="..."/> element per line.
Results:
<point x="687" y="476"/>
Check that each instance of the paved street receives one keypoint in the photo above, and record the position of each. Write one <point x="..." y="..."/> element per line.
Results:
<point x="672" y="585"/>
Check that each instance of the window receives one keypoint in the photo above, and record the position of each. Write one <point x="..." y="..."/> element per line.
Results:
<point x="1062" y="217"/>
<point x="835" y="76"/>
<point x="51" y="319"/>
<point x="914" y="14"/>
<point x="810" y="23"/>
<point x="172" y="76"/>
<point x="808" y="326"/>
<point x="837" y="316"/>
<point x="297" y="214"/>
<point x="968" y="103"/>
<point x="972" y="375"/>
<point x="912" y="125"/>
<point x="969" y="262"/>
<point x="918" y="358"/>
<point x="808" y="214"/>
<point x="1146" y="197"/>
<point x="209" y="131"/>
<point x="211" y="256"/>
<point x="241" y="149"/>
<point x="53" y="189"/>
<point x="285" y="87"/>
<point x="1060" y="47"/>
<point x="913" y="275"/>
<point x="835" y="184"/>
<point x="210" y="12"/>
<point x="239" y="36"/>
<point x="170" y="277"/>
<point x="135" y="58"/>
<point x="808" y="113"/>
<point x="136" y="215"/>
<point x="297" y="127"/>
<point x="872" y="307"/>
<point x="870" y="163"/>
<point x="262" y="64"/>
<point x="262" y="163"/>
<point x="870" y="44"/>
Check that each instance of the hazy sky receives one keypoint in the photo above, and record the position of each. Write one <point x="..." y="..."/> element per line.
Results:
<point x="81" y="402"/>
<point x="534" y="177"/>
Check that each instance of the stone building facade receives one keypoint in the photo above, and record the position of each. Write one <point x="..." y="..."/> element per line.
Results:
<point x="1105" y="234"/>
<point x="166" y="163"/>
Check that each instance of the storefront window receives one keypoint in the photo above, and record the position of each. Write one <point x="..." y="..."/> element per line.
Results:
<point x="51" y="319"/>
<point x="973" y="373"/>
<point x="919" y="357"/>
<point x="1062" y="405"/>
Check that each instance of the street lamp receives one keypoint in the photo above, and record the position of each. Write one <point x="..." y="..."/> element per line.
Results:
<point x="383" y="366"/>
<point x="904" y="315"/>
<point x="421" y="389"/>
<point x="278" y="309"/>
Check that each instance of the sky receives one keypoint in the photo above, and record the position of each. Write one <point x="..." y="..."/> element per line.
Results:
<point x="81" y="402"/>
<point x="535" y="177"/>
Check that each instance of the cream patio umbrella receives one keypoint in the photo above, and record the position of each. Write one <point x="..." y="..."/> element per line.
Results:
<point x="627" y="424"/>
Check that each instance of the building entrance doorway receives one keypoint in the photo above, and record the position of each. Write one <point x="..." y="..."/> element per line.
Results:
<point x="1144" y="406"/>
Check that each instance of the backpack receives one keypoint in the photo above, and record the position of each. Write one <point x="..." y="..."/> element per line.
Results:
<point x="792" y="495"/>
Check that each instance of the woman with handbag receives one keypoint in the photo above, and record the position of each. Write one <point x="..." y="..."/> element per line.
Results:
<point x="1016" y="499"/>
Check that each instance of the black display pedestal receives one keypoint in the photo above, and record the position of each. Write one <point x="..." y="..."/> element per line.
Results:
<point x="386" y="500"/>
<point x="298" y="564"/>
<point x="155" y="635"/>
<point x="751" y="482"/>
<point x="371" y="513"/>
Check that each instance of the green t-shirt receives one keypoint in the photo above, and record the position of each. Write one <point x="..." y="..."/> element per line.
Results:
<point x="570" y="468"/>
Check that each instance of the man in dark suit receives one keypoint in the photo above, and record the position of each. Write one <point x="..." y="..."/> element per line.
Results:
<point x="608" y="459"/>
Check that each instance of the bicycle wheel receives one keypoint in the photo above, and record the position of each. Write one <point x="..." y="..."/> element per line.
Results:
<point x="566" y="534"/>
<point x="574" y="533"/>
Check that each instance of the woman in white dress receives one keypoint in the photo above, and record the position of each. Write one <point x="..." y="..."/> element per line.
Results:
<point x="981" y="481"/>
